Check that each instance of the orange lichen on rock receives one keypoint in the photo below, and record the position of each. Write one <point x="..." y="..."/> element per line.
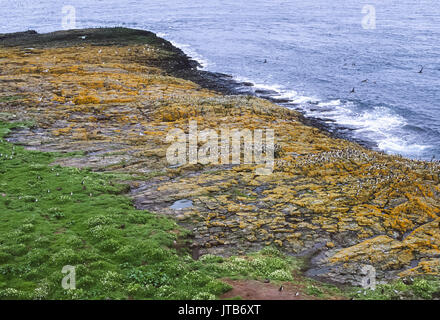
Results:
<point x="86" y="100"/>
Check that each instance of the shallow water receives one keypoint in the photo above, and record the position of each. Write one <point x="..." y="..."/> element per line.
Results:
<point x="182" y="204"/>
<point x="310" y="52"/>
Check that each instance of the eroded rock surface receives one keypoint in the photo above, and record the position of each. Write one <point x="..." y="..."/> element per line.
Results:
<point x="339" y="204"/>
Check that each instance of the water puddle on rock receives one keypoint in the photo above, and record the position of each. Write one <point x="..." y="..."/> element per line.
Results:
<point x="182" y="204"/>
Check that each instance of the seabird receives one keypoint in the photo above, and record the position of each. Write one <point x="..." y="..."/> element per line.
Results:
<point x="421" y="70"/>
<point x="352" y="90"/>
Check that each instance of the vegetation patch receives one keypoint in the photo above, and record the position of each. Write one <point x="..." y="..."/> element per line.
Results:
<point x="423" y="287"/>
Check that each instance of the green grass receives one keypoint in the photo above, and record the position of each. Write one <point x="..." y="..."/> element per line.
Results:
<point x="10" y="98"/>
<point x="238" y="193"/>
<point x="267" y="263"/>
<point x="424" y="287"/>
<point x="53" y="216"/>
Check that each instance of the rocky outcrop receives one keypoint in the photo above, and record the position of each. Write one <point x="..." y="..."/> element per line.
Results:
<point x="331" y="200"/>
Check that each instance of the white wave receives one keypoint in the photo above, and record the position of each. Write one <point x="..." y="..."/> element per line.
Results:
<point x="397" y="145"/>
<point x="303" y="99"/>
<point x="380" y="119"/>
<point x="280" y="91"/>
<point x="271" y="87"/>
<point x="330" y="103"/>
<point x="293" y="96"/>
<point x="191" y="53"/>
<point x="259" y="86"/>
<point x="380" y="125"/>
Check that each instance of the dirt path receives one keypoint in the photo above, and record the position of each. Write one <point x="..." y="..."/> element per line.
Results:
<point x="257" y="290"/>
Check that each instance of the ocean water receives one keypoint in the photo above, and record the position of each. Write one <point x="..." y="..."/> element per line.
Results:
<point x="310" y="53"/>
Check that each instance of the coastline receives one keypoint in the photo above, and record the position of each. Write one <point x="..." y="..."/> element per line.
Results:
<point x="187" y="68"/>
<point x="330" y="200"/>
<point x="228" y="85"/>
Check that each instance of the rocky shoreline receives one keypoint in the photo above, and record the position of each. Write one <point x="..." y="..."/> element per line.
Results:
<point x="113" y="94"/>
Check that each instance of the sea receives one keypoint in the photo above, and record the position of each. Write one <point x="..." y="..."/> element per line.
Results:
<point x="367" y="70"/>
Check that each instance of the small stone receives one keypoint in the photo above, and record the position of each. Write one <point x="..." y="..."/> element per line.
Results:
<point x="330" y="244"/>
